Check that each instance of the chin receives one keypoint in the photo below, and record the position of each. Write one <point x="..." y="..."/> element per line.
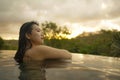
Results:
<point x="41" y="43"/>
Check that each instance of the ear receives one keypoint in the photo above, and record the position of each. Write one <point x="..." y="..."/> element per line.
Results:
<point x="27" y="36"/>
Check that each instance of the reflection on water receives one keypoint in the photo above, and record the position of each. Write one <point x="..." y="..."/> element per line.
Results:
<point x="8" y="68"/>
<point x="37" y="70"/>
<point x="81" y="67"/>
<point x="32" y="72"/>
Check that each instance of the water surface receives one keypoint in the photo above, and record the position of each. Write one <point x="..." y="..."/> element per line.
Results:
<point x="81" y="67"/>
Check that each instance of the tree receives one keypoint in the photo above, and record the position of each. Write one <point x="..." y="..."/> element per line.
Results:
<point x="54" y="34"/>
<point x="53" y="31"/>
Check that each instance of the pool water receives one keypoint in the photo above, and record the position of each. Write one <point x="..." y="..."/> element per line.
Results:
<point x="81" y="67"/>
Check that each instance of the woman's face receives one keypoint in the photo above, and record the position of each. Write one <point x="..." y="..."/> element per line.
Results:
<point x="36" y="36"/>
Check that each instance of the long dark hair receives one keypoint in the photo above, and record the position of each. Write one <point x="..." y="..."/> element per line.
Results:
<point x="26" y="28"/>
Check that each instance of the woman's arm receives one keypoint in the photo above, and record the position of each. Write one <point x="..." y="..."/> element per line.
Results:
<point x="53" y="53"/>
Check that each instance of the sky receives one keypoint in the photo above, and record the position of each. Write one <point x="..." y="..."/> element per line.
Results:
<point x="78" y="15"/>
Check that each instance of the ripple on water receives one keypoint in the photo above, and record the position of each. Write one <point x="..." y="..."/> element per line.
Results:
<point x="81" y="67"/>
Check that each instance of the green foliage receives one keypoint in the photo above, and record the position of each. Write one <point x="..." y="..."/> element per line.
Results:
<point x="10" y="44"/>
<point x="1" y="43"/>
<point x="95" y="43"/>
<point x="116" y="45"/>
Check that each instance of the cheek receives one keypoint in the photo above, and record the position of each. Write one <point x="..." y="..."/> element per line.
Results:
<point x="36" y="37"/>
<point x="35" y="34"/>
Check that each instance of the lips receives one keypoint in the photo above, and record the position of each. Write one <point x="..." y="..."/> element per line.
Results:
<point x="42" y="37"/>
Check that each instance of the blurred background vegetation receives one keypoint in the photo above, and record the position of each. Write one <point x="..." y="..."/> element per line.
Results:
<point x="104" y="42"/>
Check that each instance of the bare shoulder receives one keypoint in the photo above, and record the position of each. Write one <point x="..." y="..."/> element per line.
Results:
<point x="42" y="52"/>
<point x="51" y="52"/>
<point x="34" y="53"/>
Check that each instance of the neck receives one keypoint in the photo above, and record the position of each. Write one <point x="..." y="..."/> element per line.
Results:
<point x="36" y="44"/>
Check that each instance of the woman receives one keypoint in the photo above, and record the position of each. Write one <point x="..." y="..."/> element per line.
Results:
<point x="31" y="48"/>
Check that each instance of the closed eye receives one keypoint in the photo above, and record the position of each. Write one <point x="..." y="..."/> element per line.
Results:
<point x="38" y="30"/>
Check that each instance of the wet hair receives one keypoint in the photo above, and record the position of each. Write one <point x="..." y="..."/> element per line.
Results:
<point x="26" y="28"/>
